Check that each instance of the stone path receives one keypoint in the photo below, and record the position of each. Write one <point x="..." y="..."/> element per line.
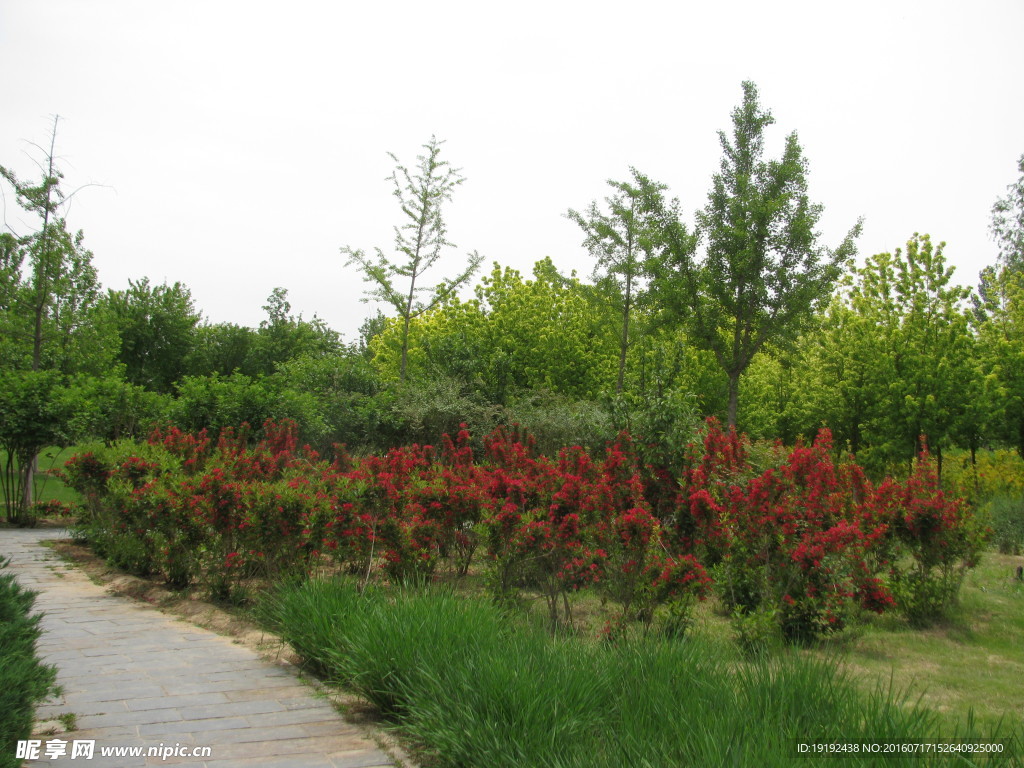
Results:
<point x="133" y="676"/>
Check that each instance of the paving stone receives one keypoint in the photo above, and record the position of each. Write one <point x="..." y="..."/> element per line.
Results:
<point x="211" y="727"/>
<point x="297" y="716"/>
<point x="233" y="708"/>
<point x="166" y="702"/>
<point x="134" y="676"/>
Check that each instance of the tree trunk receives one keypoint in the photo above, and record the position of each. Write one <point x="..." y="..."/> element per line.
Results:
<point x="28" y="486"/>
<point x="405" y="349"/>
<point x="42" y="295"/>
<point x="624" y="345"/>
<point x="974" y="464"/>
<point x="734" y="397"/>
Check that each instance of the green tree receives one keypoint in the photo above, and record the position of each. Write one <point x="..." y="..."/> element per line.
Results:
<point x="221" y="349"/>
<point x="419" y="242"/>
<point x="50" y="300"/>
<point x="1008" y="223"/>
<point x="52" y="307"/>
<point x="763" y="274"/>
<point x="157" y="328"/>
<point x="31" y="417"/>
<point x="844" y="367"/>
<point x="11" y="258"/>
<point x="283" y="336"/>
<point x="1000" y="344"/>
<point x="897" y="357"/>
<point x="621" y="241"/>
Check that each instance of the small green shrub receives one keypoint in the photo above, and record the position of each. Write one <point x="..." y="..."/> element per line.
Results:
<point x="756" y="632"/>
<point x="422" y="410"/>
<point x="24" y="680"/>
<point x="1006" y="519"/>
<point x="555" y="421"/>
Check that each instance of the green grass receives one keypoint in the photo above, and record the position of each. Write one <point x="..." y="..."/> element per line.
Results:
<point x="974" y="661"/>
<point x="45" y="486"/>
<point x="473" y="687"/>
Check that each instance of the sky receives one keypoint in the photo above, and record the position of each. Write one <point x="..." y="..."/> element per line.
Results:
<point x="237" y="146"/>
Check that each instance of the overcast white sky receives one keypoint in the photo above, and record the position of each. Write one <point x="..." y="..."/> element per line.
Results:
<point x="243" y="143"/>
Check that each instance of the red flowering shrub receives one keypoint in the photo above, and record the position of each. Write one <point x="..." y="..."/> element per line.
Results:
<point x="932" y="541"/>
<point x="52" y="508"/>
<point x="87" y="474"/>
<point x="789" y="535"/>
<point x="192" y="449"/>
<point x="633" y="545"/>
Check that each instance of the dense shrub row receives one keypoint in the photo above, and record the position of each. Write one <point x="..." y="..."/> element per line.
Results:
<point x="791" y="535"/>
<point x="24" y="680"/>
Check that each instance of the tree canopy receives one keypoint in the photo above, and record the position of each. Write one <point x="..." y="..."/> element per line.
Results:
<point x="764" y="274"/>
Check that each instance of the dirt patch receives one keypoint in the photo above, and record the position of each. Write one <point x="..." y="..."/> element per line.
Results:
<point x="188" y="607"/>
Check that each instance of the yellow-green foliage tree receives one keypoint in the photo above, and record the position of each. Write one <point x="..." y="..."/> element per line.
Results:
<point x="516" y="334"/>
<point x="893" y="358"/>
<point x="1000" y="332"/>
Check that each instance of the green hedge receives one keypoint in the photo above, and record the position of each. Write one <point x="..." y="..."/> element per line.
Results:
<point x="24" y="680"/>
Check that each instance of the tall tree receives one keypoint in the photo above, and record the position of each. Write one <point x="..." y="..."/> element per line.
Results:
<point x="621" y="241"/>
<point x="764" y="273"/>
<point x="51" y="288"/>
<point x="1007" y="229"/>
<point x="1008" y="223"/>
<point x="419" y="242"/>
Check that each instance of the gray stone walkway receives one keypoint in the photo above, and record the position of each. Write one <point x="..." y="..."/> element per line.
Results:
<point x="133" y="676"/>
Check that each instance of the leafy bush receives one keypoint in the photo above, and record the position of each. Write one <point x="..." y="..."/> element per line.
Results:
<point x="24" y="680"/>
<point x="214" y="403"/>
<point x="351" y="399"/>
<point x="555" y="421"/>
<point x="110" y="409"/>
<point x="756" y="632"/>
<point x="423" y="410"/>
<point x="1005" y="516"/>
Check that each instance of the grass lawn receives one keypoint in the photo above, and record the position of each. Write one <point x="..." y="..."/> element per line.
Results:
<point x="46" y="487"/>
<point x="974" y="660"/>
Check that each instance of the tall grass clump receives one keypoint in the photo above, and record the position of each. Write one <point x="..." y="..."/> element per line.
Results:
<point x="24" y="679"/>
<point x="473" y="686"/>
